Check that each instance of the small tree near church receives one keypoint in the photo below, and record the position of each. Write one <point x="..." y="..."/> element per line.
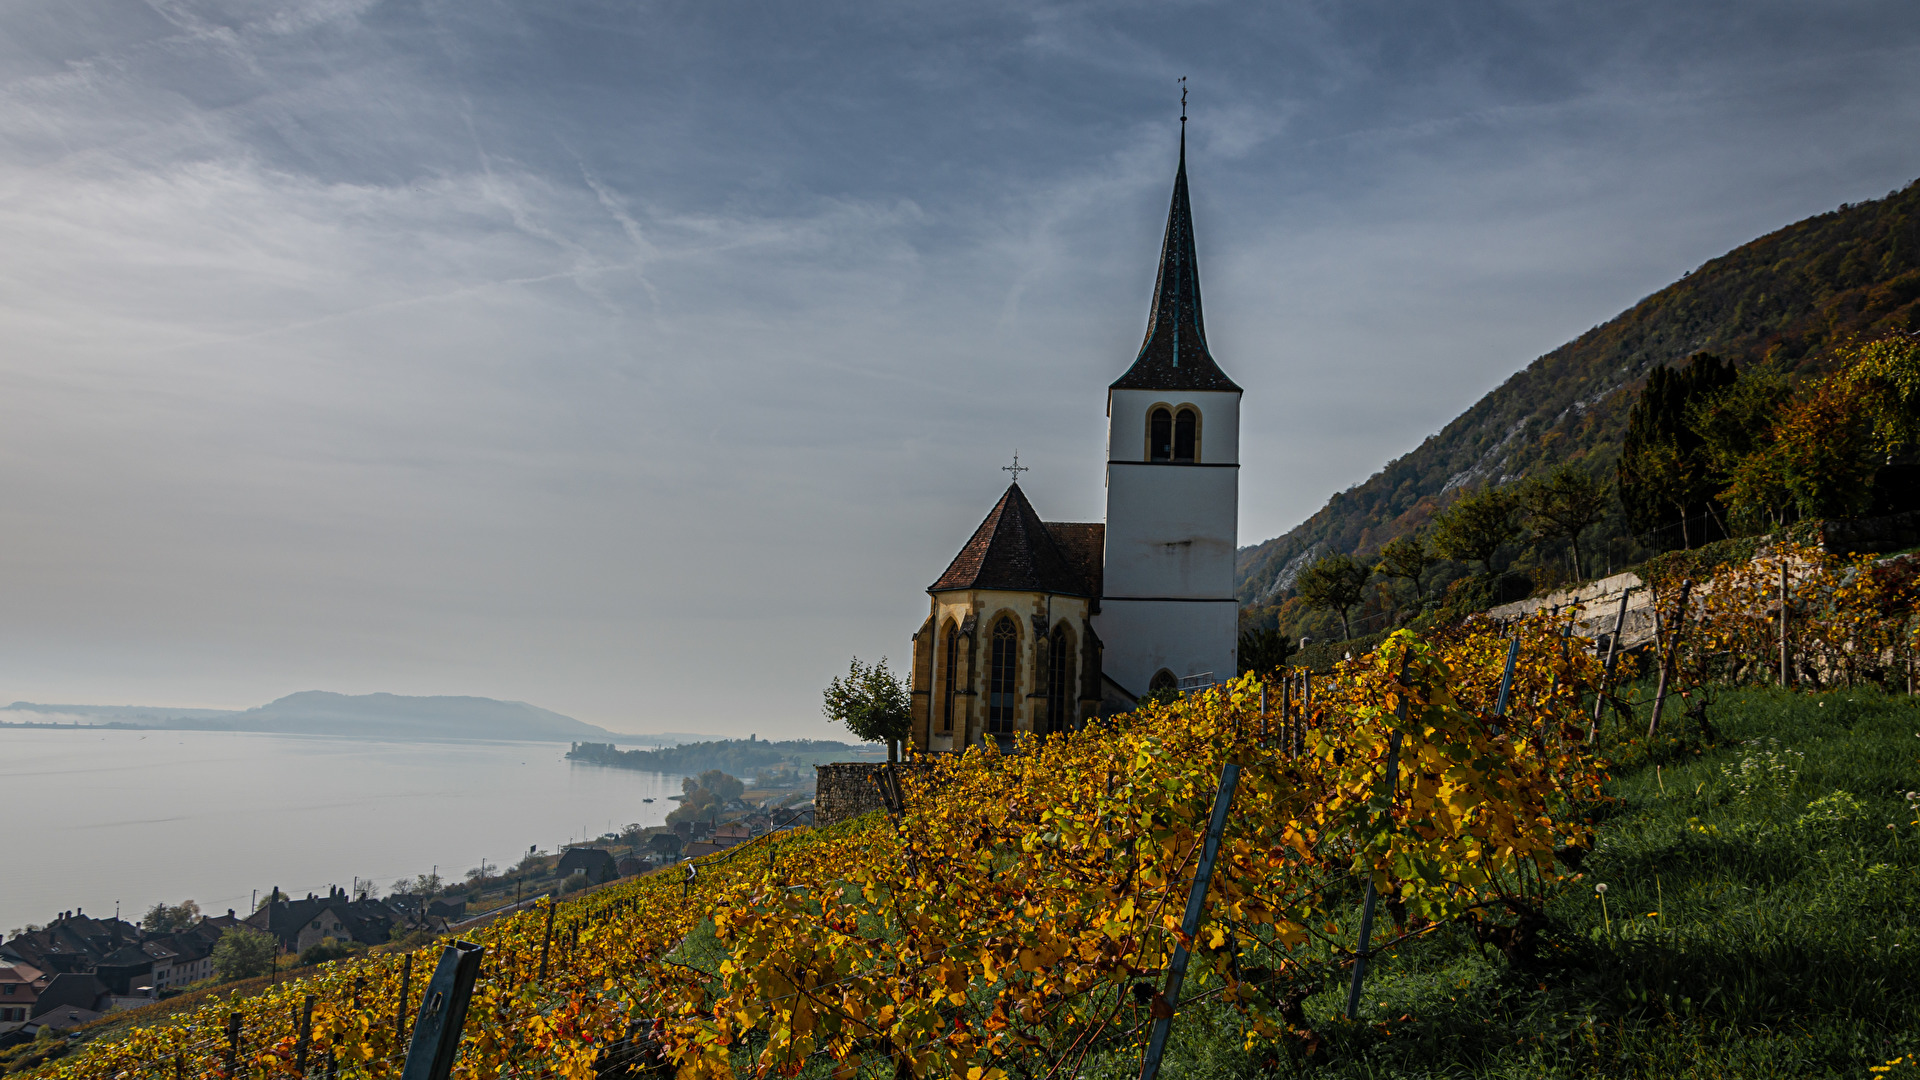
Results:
<point x="872" y="703"/>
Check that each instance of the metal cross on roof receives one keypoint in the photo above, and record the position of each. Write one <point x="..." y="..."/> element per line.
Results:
<point x="1016" y="468"/>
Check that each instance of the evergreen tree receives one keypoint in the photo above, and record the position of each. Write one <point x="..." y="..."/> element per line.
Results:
<point x="1665" y="470"/>
<point x="1264" y="651"/>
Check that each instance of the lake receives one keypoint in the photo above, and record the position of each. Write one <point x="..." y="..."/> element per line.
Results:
<point x="93" y="817"/>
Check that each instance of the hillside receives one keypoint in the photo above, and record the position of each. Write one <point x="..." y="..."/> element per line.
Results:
<point x="318" y="712"/>
<point x="1787" y="296"/>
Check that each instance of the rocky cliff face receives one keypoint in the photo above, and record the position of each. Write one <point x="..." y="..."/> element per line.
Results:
<point x="1788" y="296"/>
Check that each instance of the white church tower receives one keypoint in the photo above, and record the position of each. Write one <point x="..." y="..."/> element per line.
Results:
<point x="1167" y="609"/>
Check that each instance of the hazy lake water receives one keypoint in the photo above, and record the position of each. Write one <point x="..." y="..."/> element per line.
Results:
<point x="93" y="816"/>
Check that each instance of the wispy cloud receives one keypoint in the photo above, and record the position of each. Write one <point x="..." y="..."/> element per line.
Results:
<point x="604" y="356"/>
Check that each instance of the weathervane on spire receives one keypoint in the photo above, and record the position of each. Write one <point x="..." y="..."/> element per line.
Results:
<point x="1183" y="99"/>
<point x="1016" y="468"/>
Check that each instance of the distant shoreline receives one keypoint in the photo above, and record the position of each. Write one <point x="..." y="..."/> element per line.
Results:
<point x="321" y="712"/>
<point x="386" y="736"/>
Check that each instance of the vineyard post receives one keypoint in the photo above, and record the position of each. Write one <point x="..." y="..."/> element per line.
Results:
<point x="1783" y="622"/>
<point x="1190" y="925"/>
<point x="1306" y="703"/>
<point x="1265" y="723"/>
<point x="1286" y="713"/>
<point x="546" y="941"/>
<point x="1673" y="653"/>
<point x="1566" y="650"/>
<point x="443" y="1011"/>
<point x="1506" y="682"/>
<point x="306" y="1035"/>
<point x="233" y="1045"/>
<point x="1366" y="908"/>
<point x="400" y="1014"/>
<point x="1613" y="655"/>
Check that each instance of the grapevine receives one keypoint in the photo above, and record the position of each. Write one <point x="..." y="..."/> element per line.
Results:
<point x="1023" y="904"/>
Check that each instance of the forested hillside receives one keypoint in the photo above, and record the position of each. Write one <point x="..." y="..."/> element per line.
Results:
<point x="1788" y="297"/>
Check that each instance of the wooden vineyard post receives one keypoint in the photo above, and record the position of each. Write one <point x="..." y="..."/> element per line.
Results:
<point x="1672" y="653"/>
<point x="1366" y="907"/>
<point x="1306" y="704"/>
<point x="233" y="1045"/>
<point x="1785" y="679"/>
<point x="400" y="1014"/>
<point x="1190" y="924"/>
<point x="306" y="1035"/>
<point x="1613" y="655"/>
<point x="546" y="941"/>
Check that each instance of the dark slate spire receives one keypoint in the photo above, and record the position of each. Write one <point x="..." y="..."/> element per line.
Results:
<point x="1174" y="355"/>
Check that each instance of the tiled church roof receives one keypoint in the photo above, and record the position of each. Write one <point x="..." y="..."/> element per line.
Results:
<point x="1174" y="355"/>
<point x="1084" y="543"/>
<point x="1014" y="550"/>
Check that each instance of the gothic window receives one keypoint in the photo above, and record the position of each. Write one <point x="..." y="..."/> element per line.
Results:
<point x="953" y="661"/>
<point x="1004" y="677"/>
<point x="1059" y="678"/>
<point x="1183" y="432"/>
<point x="1160" y="436"/>
<point x="1163" y="680"/>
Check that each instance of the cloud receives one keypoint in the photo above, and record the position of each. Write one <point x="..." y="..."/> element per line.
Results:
<point x="644" y="362"/>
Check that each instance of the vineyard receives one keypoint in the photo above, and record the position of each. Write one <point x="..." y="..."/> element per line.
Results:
<point x="1020" y="915"/>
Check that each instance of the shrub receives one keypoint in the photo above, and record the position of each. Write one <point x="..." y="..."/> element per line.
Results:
<point x="324" y="950"/>
<point x="243" y="952"/>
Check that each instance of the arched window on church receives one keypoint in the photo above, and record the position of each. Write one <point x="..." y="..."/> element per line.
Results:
<point x="1059" y="679"/>
<point x="1163" y="680"/>
<point x="953" y="661"/>
<point x="1160" y="436"/>
<point x="1185" y="426"/>
<point x="1003" y="677"/>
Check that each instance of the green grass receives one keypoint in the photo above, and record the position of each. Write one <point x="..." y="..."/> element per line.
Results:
<point x="1787" y="942"/>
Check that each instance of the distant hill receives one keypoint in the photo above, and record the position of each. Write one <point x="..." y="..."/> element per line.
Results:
<point x="317" y="712"/>
<point x="1788" y="296"/>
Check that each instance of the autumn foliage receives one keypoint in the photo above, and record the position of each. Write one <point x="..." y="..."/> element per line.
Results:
<point x="1023" y="905"/>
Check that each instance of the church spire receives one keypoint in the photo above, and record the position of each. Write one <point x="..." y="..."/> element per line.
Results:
<point x="1174" y="355"/>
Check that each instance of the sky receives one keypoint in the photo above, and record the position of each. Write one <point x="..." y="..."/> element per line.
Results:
<point x="646" y="361"/>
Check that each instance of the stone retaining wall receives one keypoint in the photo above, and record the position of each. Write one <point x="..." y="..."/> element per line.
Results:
<point x="847" y="789"/>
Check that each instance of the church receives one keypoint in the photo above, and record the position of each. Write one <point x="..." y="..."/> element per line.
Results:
<point x="1042" y="625"/>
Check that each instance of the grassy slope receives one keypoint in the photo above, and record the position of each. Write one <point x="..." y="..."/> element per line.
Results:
<point x="1784" y="947"/>
<point x="1791" y="295"/>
